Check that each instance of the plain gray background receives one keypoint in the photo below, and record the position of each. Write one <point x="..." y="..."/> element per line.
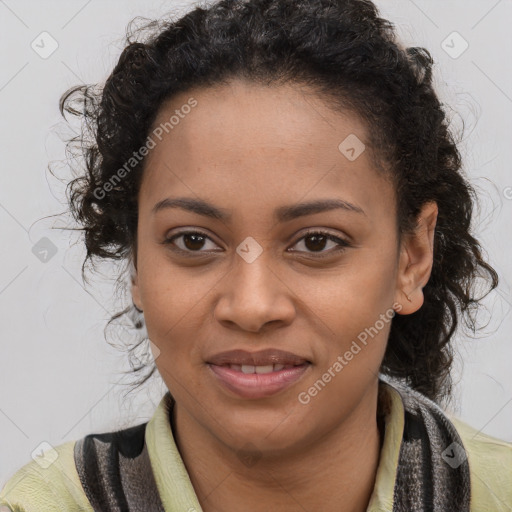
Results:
<point x="59" y="379"/>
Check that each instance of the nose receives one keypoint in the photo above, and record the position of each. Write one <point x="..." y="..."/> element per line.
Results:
<point x="254" y="296"/>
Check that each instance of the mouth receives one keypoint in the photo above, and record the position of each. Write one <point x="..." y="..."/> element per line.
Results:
<point x="257" y="374"/>
<point x="260" y="369"/>
<point x="261" y="359"/>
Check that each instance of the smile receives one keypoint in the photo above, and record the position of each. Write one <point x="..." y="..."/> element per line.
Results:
<point x="253" y="382"/>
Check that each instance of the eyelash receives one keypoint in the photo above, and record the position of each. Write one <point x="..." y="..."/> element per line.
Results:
<point x="342" y="244"/>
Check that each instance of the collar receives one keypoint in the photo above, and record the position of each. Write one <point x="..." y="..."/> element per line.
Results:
<point x="176" y="489"/>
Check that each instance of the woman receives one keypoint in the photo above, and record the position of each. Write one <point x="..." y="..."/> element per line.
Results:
<point x="281" y="179"/>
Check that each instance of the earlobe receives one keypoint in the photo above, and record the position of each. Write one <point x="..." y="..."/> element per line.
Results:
<point x="415" y="262"/>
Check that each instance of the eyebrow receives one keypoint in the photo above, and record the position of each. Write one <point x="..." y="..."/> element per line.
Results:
<point x="281" y="214"/>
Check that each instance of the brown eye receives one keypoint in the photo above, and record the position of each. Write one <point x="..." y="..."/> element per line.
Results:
<point x="191" y="241"/>
<point x="316" y="242"/>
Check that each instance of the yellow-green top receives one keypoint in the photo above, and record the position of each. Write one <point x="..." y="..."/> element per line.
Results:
<point x="57" y="487"/>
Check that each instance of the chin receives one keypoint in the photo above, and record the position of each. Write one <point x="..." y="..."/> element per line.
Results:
<point x="259" y="430"/>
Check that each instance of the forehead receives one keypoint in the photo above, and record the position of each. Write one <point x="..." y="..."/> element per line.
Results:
<point x="262" y="141"/>
<point x="287" y="116"/>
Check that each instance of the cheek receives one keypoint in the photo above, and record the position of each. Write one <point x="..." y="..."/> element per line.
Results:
<point x="171" y="315"/>
<point x="372" y="277"/>
<point x="176" y="311"/>
<point x="354" y="305"/>
<point x="169" y="293"/>
<point x="358" y="288"/>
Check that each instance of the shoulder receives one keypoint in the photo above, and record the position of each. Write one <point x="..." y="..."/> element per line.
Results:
<point x="78" y="474"/>
<point x="486" y="460"/>
<point x="48" y="483"/>
<point x="490" y="465"/>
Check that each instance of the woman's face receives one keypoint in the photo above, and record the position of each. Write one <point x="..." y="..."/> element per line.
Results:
<point x="247" y="277"/>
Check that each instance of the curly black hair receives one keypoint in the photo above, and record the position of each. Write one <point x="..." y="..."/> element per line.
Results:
<point x="350" y="56"/>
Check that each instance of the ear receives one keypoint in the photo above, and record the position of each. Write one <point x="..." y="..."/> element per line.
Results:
<point x="134" y="278"/>
<point x="415" y="261"/>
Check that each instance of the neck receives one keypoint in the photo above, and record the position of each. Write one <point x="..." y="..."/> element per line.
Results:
<point x="341" y="466"/>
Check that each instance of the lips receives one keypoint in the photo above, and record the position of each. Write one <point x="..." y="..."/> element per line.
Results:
<point x="261" y="358"/>
<point x="254" y="375"/>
